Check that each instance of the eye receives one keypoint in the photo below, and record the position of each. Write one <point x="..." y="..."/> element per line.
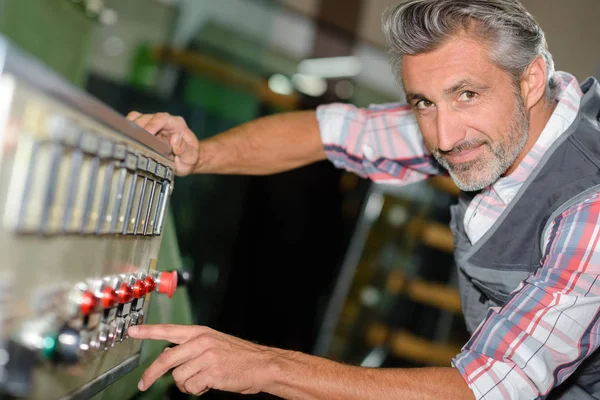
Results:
<point x="467" y="96"/>
<point x="423" y="104"/>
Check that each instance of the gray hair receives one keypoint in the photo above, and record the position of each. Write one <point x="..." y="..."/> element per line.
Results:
<point x="515" y="38"/>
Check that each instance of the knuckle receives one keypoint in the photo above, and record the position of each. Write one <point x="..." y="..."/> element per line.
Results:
<point x="217" y="373"/>
<point x="181" y="387"/>
<point x="164" y="359"/>
<point x="190" y="386"/>
<point x="204" y="340"/>
<point x="212" y="355"/>
<point x="199" y="329"/>
<point x="178" y="375"/>
<point x="211" y="380"/>
<point x="203" y="330"/>
<point x="156" y="120"/>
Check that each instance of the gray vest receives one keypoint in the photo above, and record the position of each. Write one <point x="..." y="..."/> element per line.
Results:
<point x="512" y="248"/>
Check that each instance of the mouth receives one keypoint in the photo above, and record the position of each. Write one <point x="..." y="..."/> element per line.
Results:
<point x="464" y="156"/>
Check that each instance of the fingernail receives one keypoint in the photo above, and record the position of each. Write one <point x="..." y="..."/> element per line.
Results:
<point x="133" y="330"/>
<point x="141" y="384"/>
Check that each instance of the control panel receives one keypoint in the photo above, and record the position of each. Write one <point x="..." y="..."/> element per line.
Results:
<point x="83" y="200"/>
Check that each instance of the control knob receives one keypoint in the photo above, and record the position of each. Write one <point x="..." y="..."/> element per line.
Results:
<point x="68" y="350"/>
<point x="167" y="282"/>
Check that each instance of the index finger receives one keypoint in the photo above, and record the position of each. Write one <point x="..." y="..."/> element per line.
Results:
<point x="173" y="333"/>
<point x="166" y="361"/>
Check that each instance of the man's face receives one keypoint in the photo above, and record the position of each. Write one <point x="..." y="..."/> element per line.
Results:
<point x="470" y="112"/>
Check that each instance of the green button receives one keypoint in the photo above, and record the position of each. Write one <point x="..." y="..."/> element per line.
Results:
<point x="49" y="346"/>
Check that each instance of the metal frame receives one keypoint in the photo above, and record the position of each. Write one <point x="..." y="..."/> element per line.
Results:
<point x="369" y="213"/>
<point x="95" y="386"/>
<point x="56" y="264"/>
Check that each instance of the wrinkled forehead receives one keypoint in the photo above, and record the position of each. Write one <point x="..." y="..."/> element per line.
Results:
<point x="461" y="58"/>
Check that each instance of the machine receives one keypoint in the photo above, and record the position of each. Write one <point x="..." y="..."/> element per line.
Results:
<point x="83" y="200"/>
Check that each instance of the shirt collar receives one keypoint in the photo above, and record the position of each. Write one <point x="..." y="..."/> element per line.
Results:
<point x="563" y="116"/>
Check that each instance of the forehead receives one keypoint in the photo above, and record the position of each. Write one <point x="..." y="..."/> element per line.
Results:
<point x="458" y="59"/>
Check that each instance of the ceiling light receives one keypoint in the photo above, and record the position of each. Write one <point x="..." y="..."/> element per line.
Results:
<point x="280" y="84"/>
<point x="311" y="85"/>
<point x="332" y="67"/>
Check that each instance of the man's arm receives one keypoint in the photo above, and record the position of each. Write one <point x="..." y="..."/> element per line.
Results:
<point x="550" y="323"/>
<point x="383" y="143"/>
<point x="206" y="359"/>
<point x="264" y="146"/>
<point x="308" y="377"/>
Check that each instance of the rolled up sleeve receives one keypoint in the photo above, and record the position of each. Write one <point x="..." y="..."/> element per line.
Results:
<point x="550" y="324"/>
<point x="382" y="142"/>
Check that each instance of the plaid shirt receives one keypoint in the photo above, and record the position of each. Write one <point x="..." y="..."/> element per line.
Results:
<point x="550" y="323"/>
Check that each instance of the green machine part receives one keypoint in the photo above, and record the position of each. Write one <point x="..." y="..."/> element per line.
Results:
<point x="55" y="31"/>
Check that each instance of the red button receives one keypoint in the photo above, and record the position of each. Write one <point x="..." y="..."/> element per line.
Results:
<point x="125" y="293"/>
<point x="109" y="297"/>
<point x="167" y="283"/>
<point x="88" y="303"/>
<point x="150" y="284"/>
<point x="139" y="289"/>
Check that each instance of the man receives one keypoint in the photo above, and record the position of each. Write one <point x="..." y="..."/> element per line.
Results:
<point x="522" y="142"/>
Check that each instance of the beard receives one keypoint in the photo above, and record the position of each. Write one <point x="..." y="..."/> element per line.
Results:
<point x="482" y="172"/>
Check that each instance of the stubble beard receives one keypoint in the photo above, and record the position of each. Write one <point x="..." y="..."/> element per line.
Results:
<point x="497" y="158"/>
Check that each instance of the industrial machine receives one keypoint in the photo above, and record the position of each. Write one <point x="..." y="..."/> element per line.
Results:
<point x="83" y="199"/>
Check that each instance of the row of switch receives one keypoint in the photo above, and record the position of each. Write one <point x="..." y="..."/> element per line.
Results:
<point x="110" y="292"/>
<point x="81" y="182"/>
<point x="96" y="318"/>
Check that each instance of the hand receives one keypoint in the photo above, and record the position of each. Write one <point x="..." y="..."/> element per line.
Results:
<point x="176" y="132"/>
<point x="206" y="359"/>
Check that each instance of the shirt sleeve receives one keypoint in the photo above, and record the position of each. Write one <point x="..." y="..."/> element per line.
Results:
<point x="382" y="142"/>
<point x="550" y="324"/>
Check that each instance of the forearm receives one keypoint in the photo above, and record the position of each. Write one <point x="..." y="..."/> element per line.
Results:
<point x="299" y="376"/>
<point x="264" y="146"/>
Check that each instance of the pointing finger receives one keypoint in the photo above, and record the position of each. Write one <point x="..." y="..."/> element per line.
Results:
<point x="173" y="333"/>
<point x="164" y="362"/>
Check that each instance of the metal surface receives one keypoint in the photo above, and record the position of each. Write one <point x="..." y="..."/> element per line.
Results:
<point x="68" y="190"/>
<point x="24" y="68"/>
<point x="101" y="382"/>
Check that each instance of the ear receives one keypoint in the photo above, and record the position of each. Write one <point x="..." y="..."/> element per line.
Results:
<point x="533" y="83"/>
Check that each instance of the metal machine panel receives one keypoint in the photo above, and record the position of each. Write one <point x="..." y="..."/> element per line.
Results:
<point x="83" y="197"/>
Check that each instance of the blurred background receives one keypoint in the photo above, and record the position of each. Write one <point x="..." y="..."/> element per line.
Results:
<point x="315" y="259"/>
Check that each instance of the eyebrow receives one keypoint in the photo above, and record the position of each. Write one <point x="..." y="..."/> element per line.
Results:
<point x="460" y="85"/>
<point x="463" y="84"/>
<point x="412" y="97"/>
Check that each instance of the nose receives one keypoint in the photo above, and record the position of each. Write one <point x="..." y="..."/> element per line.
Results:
<point x="449" y="130"/>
